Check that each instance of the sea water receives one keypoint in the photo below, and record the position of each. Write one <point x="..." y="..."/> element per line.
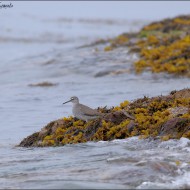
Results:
<point x="41" y="49"/>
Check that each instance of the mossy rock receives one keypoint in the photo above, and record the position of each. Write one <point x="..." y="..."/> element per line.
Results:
<point x="162" y="46"/>
<point x="162" y="116"/>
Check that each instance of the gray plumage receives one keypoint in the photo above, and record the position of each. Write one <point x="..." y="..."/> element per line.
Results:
<point x="81" y="111"/>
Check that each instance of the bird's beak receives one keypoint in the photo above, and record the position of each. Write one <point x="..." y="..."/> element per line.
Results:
<point x="67" y="102"/>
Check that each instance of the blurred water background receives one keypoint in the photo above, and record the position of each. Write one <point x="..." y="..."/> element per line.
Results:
<point x="40" y="41"/>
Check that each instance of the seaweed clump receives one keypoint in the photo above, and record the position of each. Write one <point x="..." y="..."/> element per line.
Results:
<point x="163" y="116"/>
<point x="163" y="46"/>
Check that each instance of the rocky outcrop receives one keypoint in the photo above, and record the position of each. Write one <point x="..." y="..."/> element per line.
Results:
<point x="165" y="117"/>
<point x="162" y="46"/>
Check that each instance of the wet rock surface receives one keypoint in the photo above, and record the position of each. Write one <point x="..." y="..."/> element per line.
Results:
<point x="175" y="127"/>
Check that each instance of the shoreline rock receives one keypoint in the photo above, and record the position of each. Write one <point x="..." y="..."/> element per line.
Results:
<point x="162" y="46"/>
<point x="166" y="117"/>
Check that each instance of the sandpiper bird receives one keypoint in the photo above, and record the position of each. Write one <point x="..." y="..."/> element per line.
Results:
<point x="83" y="112"/>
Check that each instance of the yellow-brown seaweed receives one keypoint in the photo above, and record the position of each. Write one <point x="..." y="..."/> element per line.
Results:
<point x="164" y="116"/>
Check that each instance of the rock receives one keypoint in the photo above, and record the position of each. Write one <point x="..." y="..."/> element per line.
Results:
<point x="30" y="140"/>
<point x="131" y="126"/>
<point x="164" y="167"/>
<point x="174" y="127"/>
<point x="102" y="73"/>
<point x="36" y="138"/>
<point x="43" y="84"/>
<point x="92" y="129"/>
<point x="185" y="93"/>
<point x="148" y="117"/>
<point x="115" y="117"/>
<point x="178" y="111"/>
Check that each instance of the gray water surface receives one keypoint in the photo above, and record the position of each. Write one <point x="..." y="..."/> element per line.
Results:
<point x="130" y="163"/>
<point x="47" y="49"/>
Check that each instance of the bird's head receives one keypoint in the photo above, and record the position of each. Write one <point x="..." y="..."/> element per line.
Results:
<point x="73" y="99"/>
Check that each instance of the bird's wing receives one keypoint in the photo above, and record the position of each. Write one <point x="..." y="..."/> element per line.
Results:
<point x="89" y="111"/>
